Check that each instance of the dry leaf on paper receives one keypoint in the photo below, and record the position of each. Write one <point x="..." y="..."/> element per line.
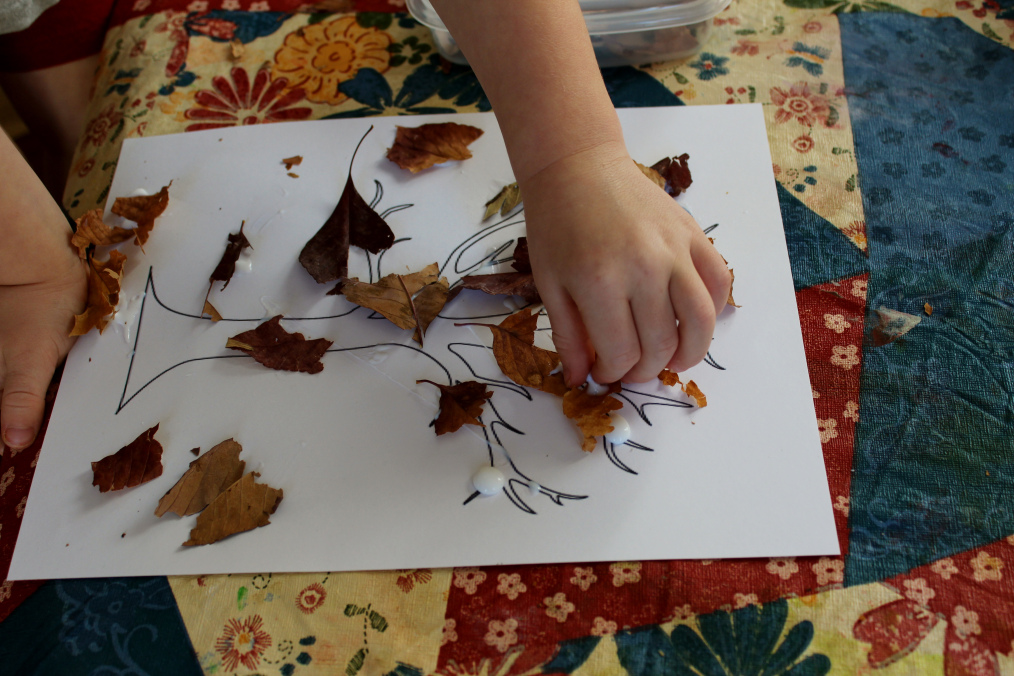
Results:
<point x="591" y="413"/>
<point x="226" y="267"/>
<point x="675" y="172"/>
<point x="243" y="506"/>
<point x="211" y="311"/>
<point x="515" y="352"/>
<point x="655" y="177"/>
<point x="353" y="222"/>
<point x="236" y="49"/>
<point x="278" y="349"/>
<point x="143" y="210"/>
<point x="91" y="229"/>
<point x="670" y="378"/>
<point x="409" y="301"/>
<point x="103" y="294"/>
<point x="138" y="462"/>
<point x="520" y="283"/>
<point x="892" y="325"/>
<point x="417" y="148"/>
<point x="206" y="478"/>
<point x="460" y="404"/>
<point x="732" y="280"/>
<point x="505" y="200"/>
<point x="293" y="161"/>
<point x="695" y="393"/>
<point x="928" y="309"/>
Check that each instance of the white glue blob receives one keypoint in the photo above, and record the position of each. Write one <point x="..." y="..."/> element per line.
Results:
<point x="488" y="480"/>
<point x="140" y="192"/>
<point x="594" y="388"/>
<point x="534" y="488"/>
<point x="127" y="313"/>
<point x="271" y="308"/>
<point x="621" y="429"/>
<point x="245" y="261"/>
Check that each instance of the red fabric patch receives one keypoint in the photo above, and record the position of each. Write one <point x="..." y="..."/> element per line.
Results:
<point x="495" y="610"/>
<point x="65" y="32"/>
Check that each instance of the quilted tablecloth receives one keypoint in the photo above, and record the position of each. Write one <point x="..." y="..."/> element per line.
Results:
<point x="891" y="128"/>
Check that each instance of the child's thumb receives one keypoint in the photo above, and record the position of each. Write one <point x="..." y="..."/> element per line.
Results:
<point x="23" y="399"/>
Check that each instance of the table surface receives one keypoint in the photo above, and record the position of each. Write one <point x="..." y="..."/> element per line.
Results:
<point x="893" y="148"/>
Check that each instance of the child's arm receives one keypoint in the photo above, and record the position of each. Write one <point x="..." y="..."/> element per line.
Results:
<point x="616" y="260"/>
<point x="42" y="287"/>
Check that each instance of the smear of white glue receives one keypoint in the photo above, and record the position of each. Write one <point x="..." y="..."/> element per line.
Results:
<point x="126" y="313"/>
<point x="594" y="388"/>
<point x="245" y="261"/>
<point x="379" y="354"/>
<point x="140" y="192"/>
<point x="271" y="308"/>
<point x="621" y="430"/>
<point x="534" y="488"/>
<point x="488" y="480"/>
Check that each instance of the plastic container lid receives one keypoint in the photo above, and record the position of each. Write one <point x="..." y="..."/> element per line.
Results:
<point x="604" y="17"/>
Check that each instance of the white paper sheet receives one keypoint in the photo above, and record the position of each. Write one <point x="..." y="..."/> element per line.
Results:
<point x="367" y="483"/>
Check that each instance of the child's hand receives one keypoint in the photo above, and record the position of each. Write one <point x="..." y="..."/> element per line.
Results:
<point x="35" y="320"/>
<point x="631" y="283"/>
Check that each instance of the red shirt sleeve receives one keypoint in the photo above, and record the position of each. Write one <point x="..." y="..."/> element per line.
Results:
<point x="67" y="31"/>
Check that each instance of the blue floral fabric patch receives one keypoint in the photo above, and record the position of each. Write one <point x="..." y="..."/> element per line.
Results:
<point x="931" y="103"/>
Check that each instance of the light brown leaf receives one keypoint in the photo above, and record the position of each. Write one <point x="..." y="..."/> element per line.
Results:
<point x="694" y="392"/>
<point x="243" y="506"/>
<point x="138" y="462"/>
<point x="430" y="300"/>
<point x="143" y="210"/>
<point x="400" y="297"/>
<point x="103" y="294"/>
<point x="293" y="161"/>
<point x="460" y="405"/>
<point x="732" y="280"/>
<point x="207" y="477"/>
<point x="516" y="354"/>
<point x="670" y="378"/>
<point x="418" y="148"/>
<point x="91" y="229"/>
<point x="928" y="309"/>
<point x="892" y="325"/>
<point x="210" y="310"/>
<point x="591" y="413"/>
<point x="505" y="200"/>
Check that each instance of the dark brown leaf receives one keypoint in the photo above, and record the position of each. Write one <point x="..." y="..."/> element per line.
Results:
<point x="892" y="325"/>
<point x="243" y="506"/>
<point x="522" y="262"/>
<point x="278" y="349"/>
<point x="138" y="462"/>
<point x="516" y="354"/>
<point x="460" y="404"/>
<point x="91" y="229"/>
<point x="103" y="294"/>
<point x="226" y="267"/>
<point x="353" y="222"/>
<point x="505" y="200"/>
<point x="505" y="284"/>
<point x="417" y="148"/>
<point x="206" y="478"/>
<point x="676" y="173"/>
<point x="143" y="210"/>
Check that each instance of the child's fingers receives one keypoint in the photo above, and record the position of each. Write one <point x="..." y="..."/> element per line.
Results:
<point x="23" y="397"/>
<point x="655" y="321"/>
<point x="610" y="326"/>
<point x="713" y="271"/>
<point x="569" y="337"/>
<point x="696" y="314"/>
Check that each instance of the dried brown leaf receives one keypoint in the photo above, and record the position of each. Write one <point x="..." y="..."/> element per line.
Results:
<point x="138" y="462"/>
<point x="430" y="300"/>
<point x="676" y="173"/>
<point x="243" y="506"/>
<point x="236" y="49"/>
<point x="226" y="267"/>
<point x="278" y="349"/>
<point x="293" y="161"/>
<point x="418" y="148"/>
<point x="892" y="325"/>
<point x="206" y="478"/>
<point x="505" y="284"/>
<point x="210" y="310"/>
<point x="928" y="309"/>
<point x="91" y="229"/>
<point x="522" y="261"/>
<point x="408" y="301"/>
<point x="591" y="413"/>
<point x="515" y="351"/>
<point x="695" y="393"/>
<point x="732" y="280"/>
<point x="352" y="223"/>
<point x="103" y="294"/>
<point x="670" y="378"/>
<point x="504" y="201"/>
<point x="460" y="405"/>
<point x="143" y="210"/>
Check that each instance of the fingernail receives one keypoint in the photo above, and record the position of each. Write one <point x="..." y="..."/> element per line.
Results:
<point x="18" y="437"/>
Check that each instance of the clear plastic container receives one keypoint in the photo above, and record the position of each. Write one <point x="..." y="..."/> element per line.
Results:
<point x="623" y="32"/>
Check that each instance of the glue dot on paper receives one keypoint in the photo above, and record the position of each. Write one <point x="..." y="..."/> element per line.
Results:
<point x="534" y="488"/>
<point x="621" y="429"/>
<point x="594" y="388"/>
<point x="488" y="480"/>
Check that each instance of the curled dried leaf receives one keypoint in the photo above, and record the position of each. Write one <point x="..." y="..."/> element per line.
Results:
<point x="676" y="173"/>
<point x="103" y="294"/>
<point x="138" y="462"/>
<point x="928" y="309"/>
<point x="243" y="506"/>
<point x="892" y="325"/>
<point x="293" y="161"/>
<point x="504" y="201"/>
<point x="408" y="301"/>
<point x="670" y="378"/>
<point x="237" y="49"/>
<point x="591" y="413"/>
<point x="732" y="280"/>
<point x="143" y="210"/>
<point x="418" y="148"/>
<point x="92" y="230"/>
<point x="226" y="267"/>
<point x="206" y="478"/>
<point x="460" y="405"/>
<point x="695" y="393"/>
<point x="278" y="349"/>
<point x="515" y="351"/>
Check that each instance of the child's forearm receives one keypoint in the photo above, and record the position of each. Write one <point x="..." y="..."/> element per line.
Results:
<point x="548" y="95"/>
